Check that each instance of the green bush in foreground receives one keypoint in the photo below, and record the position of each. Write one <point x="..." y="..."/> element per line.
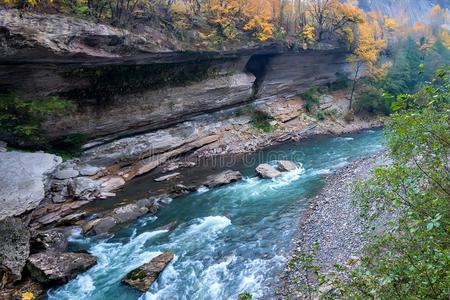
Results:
<point x="410" y="259"/>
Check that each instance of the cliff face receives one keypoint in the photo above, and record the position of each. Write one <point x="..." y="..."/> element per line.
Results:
<point x="414" y="10"/>
<point x="120" y="87"/>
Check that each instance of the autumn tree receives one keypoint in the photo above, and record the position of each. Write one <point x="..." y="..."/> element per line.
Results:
<point x="369" y="44"/>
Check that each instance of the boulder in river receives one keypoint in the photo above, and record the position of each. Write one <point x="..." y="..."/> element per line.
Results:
<point x="14" y="247"/>
<point x="99" y="226"/>
<point x="58" y="268"/>
<point x="144" y="276"/>
<point x="286" y="165"/>
<point x="267" y="171"/>
<point x="128" y="213"/>
<point x="223" y="178"/>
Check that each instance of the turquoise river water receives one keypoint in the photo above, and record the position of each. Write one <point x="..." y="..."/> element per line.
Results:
<point x="228" y="240"/>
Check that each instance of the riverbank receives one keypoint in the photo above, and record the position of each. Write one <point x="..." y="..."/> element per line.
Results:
<point x="332" y="221"/>
<point x="129" y="202"/>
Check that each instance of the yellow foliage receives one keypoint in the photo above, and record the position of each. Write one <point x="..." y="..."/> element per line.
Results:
<point x="28" y="296"/>
<point x="390" y="23"/>
<point x="370" y="43"/>
<point x="309" y="36"/>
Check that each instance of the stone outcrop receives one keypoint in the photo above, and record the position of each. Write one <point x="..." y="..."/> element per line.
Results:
<point x="291" y="74"/>
<point x="223" y="178"/>
<point x="14" y="248"/>
<point x="58" y="268"/>
<point x="120" y="215"/>
<point x="23" y="180"/>
<point x="51" y="240"/>
<point x="143" y="277"/>
<point x="267" y="171"/>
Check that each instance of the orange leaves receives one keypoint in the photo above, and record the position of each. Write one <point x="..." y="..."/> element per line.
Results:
<point x="262" y="27"/>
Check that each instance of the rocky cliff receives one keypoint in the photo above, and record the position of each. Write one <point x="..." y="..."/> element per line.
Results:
<point x="121" y="87"/>
<point x="414" y="10"/>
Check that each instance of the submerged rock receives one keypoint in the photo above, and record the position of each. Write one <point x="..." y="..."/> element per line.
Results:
<point x="267" y="171"/>
<point x="286" y="165"/>
<point x="99" y="226"/>
<point x="14" y="247"/>
<point x="58" y="268"/>
<point x="144" y="276"/>
<point x="128" y="213"/>
<point x="223" y="178"/>
<point x="23" y="180"/>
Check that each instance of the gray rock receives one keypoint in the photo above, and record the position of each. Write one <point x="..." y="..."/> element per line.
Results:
<point x="151" y="204"/>
<point x="286" y="165"/>
<point x="169" y="227"/>
<point x="66" y="174"/>
<point x="223" y="178"/>
<point x="267" y="171"/>
<point x="85" y="188"/>
<point x="49" y="240"/>
<point x="89" y="170"/>
<point x="99" y="226"/>
<point x="58" y="199"/>
<point x="58" y="268"/>
<point x="167" y="177"/>
<point x="3" y="146"/>
<point x="14" y="247"/>
<point x="143" y="277"/>
<point x="177" y="165"/>
<point x="23" y="180"/>
<point x="128" y="213"/>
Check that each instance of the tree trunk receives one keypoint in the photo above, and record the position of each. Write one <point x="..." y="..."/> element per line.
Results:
<point x="355" y="81"/>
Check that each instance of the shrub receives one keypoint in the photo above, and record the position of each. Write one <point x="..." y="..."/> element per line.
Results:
<point x="260" y="120"/>
<point x="373" y="101"/>
<point x="341" y="83"/>
<point x="320" y="115"/>
<point x="245" y="296"/>
<point x="349" y="116"/>
<point x="20" y="120"/>
<point x="312" y="98"/>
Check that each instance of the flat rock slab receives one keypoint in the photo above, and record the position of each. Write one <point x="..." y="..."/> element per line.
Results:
<point x="22" y="180"/>
<point x="58" y="268"/>
<point x="267" y="171"/>
<point x="167" y="177"/>
<point x="144" y="276"/>
<point x="223" y="178"/>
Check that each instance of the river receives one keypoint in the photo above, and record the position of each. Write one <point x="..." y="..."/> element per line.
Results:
<point x="228" y="240"/>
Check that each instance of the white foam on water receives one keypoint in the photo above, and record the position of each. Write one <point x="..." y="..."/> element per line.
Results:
<point x="202" y="189"/>
<point x="206" y="227"/>
<point x="144" y="221"/>
<point x="114" y="261"/>
<point x="286" y="178"/>
<point x="166" y="200"/>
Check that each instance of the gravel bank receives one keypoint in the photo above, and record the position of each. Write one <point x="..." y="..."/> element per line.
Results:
<point x="332" y="221"/>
